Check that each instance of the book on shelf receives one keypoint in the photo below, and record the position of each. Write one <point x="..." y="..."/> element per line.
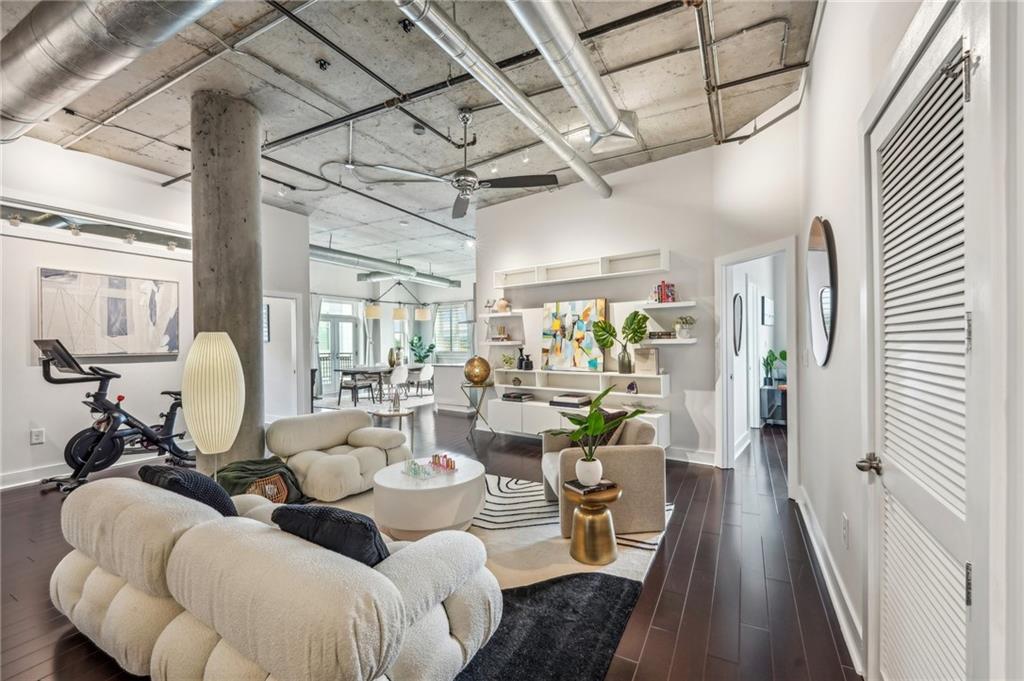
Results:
<point x="570" y="400"/>
<point x="660" y="335"/>
<point x="517" y="396"/>
<point x="580" y="488"/>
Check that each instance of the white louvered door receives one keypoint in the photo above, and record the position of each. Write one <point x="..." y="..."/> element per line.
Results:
<point x="922" y="375"/>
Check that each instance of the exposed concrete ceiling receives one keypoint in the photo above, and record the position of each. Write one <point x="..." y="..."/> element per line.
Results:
<point x="279" y="73"/>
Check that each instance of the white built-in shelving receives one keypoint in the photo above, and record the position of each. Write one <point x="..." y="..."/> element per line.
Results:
<point x="588" y="269"/>
<point x="669" y="341"/>
<point x="510" y="343"/>
<point x="668" y="307"/>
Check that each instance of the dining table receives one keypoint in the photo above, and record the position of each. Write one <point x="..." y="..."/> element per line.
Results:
<point x="380" y="371"/>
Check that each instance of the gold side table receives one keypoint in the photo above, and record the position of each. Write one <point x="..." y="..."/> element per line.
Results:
<point x="593" y="532"/>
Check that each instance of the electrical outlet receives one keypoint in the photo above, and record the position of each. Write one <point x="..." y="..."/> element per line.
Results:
<point x="36" y="436"/>
<point x="846" y="531"/>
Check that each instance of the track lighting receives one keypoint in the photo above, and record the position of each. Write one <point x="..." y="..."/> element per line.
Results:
<point x="526" y="156"/>
<point x="172" y="246"/>
<point x="130" y="239"/>
<point x="494" y="167"/>
<point x="75" y="231"/>
<point x="280" y="190"/>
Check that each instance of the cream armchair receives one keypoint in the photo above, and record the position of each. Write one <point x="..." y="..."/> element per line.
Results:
<point x="635" y="463"/>
<point x="335" y="453"/>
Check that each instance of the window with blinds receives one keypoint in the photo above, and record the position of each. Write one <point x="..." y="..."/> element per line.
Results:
<point x="451" y="333"/>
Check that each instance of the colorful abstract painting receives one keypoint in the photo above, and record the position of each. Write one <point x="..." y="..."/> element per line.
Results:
<point x="568" y="335"/>
<point x="100" y="314"/>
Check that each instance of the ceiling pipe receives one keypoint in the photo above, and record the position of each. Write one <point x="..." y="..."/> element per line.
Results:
<point x="226" y="49"/>
<point x="550" y="30"/>
<point x="60" y="50"/>
<point x="710" y="87"/>
<point x="377" y="266"/>
<point x="442" y="30"/>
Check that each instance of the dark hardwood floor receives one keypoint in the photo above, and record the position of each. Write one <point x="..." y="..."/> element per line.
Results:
<point x="733" y="593"/>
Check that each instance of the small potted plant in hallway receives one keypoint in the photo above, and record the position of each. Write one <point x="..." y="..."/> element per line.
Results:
<point x="592" y="431"/>
<point x="768" y="363"/>
<point x="634" y="330"/>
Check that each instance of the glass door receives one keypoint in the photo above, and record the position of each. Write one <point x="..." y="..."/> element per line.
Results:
<point x="338" y="341"/>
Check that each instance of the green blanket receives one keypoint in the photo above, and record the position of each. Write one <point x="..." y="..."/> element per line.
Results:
<point x="269" y="478"/>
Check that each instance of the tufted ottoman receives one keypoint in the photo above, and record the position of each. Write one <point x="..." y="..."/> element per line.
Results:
<point x="335" y="454"/>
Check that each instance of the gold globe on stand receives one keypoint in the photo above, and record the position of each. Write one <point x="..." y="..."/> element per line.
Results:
<point x="477" y="370"/>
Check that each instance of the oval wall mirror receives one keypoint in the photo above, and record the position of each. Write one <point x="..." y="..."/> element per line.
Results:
<point x="821" y="288"/>
<point x="737" y="324"/>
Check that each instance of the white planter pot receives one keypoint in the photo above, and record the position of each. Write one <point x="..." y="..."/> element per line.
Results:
<point x="589" y="472"/>
<point x="682" y="332"/>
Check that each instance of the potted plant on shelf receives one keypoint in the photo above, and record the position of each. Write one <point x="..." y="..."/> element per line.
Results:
<point x="420" y="353"/>
<point x="683" y="325"/>
<point x="591" y="432"/>
<point x="634" y="330"/>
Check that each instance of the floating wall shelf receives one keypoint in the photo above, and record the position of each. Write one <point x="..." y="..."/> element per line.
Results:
<point x="670" y="341"/>
<point x="590" y="269"/>
<point x="668" y="307"/>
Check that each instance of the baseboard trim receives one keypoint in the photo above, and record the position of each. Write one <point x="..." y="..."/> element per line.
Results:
<point x="702" y="457"/>
<point x="32" y="476"/>
<point x="849" y="624"/>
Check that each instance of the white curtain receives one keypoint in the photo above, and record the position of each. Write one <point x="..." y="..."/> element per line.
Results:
<point x="315" y="300"/>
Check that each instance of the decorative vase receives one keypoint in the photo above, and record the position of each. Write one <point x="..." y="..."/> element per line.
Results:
<point x="768" y="380"/>
<point x="528" y="363"/>
<point x="477" y="370"/>
<point x="521" y="362"/>
<point x="682" y="331"/>
<point x="393" y="357"/>
<point x="589" y="472"/>
<point x="625" y="362"/>
<point x="501" y="305"/>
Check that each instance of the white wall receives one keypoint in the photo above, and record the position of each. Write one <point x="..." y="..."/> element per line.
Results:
<point x="855" y="45"/>
<point x="280" y="360"/>
<point x="39" y="172"/>
<point x="698" y="205"/>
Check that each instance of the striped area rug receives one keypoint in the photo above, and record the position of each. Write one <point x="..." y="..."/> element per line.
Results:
<point x="512" y="504"/>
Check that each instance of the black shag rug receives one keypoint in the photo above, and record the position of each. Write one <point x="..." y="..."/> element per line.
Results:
<point x="565" y="628"/>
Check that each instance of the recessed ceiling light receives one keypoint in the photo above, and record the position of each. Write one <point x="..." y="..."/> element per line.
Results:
<point x="526" y="155"/>
<point x="494" y="167"/>
<point x="403" y="223"/>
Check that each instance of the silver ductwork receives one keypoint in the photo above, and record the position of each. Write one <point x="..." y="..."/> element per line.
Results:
<point x="550" y="30"/>
<point x="61" y="49"/>
<point x="453" y="40"/>
<point x="376" y="267"/>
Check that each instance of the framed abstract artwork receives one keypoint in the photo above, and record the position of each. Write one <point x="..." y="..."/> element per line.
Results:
<point x="567" y="330"/>
<point x="101" y="314"/>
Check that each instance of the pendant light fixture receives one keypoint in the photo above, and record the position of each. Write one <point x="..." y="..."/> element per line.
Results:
<point x="373" y="311"/>
<point x="422" y="314"/>
<point x="400" y="314"/>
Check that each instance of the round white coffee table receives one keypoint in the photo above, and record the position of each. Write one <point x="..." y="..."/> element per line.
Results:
<point x="410" y="508"/>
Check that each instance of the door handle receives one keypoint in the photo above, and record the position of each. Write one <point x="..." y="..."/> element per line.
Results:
<point x="869" y="463"/>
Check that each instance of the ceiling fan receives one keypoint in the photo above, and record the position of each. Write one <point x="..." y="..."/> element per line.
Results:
<point x="465" y="181"/>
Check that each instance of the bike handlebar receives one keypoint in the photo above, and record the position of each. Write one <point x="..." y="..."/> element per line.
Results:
<point x="95" y="374"/>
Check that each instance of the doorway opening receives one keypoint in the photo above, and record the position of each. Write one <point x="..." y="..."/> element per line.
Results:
<point x="756" y="309"/>
<point x="280" y="358"/>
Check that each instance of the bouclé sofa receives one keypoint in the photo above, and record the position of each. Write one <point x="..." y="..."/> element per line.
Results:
<point x="335" y="454"/>
<point x="170" y="588"/>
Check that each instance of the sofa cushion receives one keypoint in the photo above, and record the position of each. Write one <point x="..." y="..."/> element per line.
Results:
<point x="611" y="438"/>
<point x="382" y="438"/>
<point x="637" y="432"/>
<point x="191" y="484"/>
<point x="351" y="534"/>
<point x="319" y="432"/>
<point x="129" y="528"/>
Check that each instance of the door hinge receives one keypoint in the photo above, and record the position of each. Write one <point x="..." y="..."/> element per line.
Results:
<point x="968" y="333"/>
<point x="950" y="70"/>
<point x="968" y="585"/>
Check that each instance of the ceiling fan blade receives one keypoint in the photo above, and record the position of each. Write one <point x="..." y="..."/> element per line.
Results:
<point x="521" y="181"/>
<point x="460" y="207"/>
<point x="411" y="173"/>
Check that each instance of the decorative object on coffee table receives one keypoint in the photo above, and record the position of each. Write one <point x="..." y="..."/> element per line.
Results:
<point x="408" y="507"/>
<point x="592" y="431"/>
<point x="634" y="330"/>
<point x="593" y="532"/>
<point x="477" y="370"/>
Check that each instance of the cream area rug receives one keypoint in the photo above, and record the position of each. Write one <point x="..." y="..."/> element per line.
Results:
<point x="524" y="541"/>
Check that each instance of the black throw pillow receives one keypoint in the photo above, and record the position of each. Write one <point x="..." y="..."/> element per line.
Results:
<point x="192" y="484"/>
<point x="351" y="534"/>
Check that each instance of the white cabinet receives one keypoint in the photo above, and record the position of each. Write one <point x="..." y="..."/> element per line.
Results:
<point x="539" y="417"/>
<point x="505" y="417"/>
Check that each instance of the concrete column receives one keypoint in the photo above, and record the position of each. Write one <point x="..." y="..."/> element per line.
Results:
<point x="226" y="250"/>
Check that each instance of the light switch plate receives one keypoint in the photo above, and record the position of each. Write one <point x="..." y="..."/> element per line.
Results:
<point x="37" y="436"/>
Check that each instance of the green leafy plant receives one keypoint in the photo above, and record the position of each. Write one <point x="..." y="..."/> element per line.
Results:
<point x="590" y="428"/>
<point x="420" y="352"/>
<point x="634" y="330"/>
<point x="770" y="361"/>
<point x="686" y="321"/>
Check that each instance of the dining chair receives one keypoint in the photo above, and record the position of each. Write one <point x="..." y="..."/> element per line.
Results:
<point x="425" y="378"/>
<point x="399" y="379"/>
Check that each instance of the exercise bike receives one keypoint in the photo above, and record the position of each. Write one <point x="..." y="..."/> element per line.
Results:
<point x="100" y="445"/>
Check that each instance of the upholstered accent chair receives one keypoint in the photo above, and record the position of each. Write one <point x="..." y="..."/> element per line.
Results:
<point x="335" y="453"/>
<point x="634" y="462"/>
<point x="170" y="588"/>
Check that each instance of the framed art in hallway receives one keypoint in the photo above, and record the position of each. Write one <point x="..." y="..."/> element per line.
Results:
<point x="567" y="335"/>
<point x="103" y="314"/>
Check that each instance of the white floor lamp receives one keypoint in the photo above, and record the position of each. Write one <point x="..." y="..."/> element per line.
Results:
<point x="213" y="393"/>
